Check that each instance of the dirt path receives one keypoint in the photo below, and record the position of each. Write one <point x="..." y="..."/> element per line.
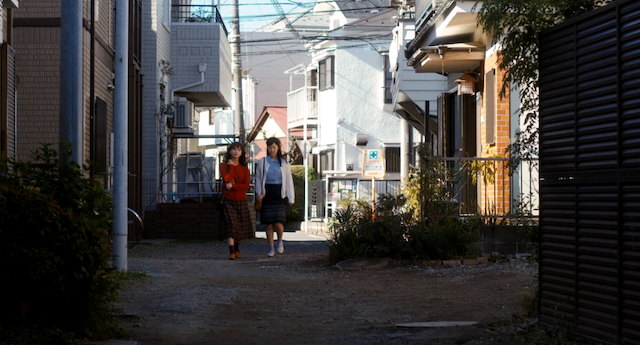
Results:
<point x="192" y="294"/>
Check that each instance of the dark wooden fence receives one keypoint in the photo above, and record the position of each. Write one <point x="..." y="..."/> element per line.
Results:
<point x="589" y="169"/>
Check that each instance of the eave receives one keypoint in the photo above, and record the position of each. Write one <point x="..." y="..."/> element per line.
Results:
<point x="450" y="42"/>
<point x="444" y="60"/>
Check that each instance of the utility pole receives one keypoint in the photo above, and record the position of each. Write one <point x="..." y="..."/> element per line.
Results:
<point x="237" y="69"/>
<point x="120" y="128"/>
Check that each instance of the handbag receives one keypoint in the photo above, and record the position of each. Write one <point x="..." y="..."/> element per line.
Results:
<point x="258" y="203"/>
<point x="220" y="202"/>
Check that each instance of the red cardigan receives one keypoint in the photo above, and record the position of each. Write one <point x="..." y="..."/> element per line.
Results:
<point x="241" y="180"/>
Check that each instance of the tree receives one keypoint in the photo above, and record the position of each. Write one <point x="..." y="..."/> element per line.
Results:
<point x="516" y="25"/>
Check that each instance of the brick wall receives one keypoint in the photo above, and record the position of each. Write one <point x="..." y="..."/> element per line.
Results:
<point x="185" y="221"/>
<point x="496" y="198"/>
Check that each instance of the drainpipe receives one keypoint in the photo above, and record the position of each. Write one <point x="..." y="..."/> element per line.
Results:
<point x="71" y="80"/>
<point x="92" y="78"/>
<point x="202" y="67"/>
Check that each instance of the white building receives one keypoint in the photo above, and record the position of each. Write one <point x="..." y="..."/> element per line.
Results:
<point x="186" y="67"/>
<point x="346" y="104"/>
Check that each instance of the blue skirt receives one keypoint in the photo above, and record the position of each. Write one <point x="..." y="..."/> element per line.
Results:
<point x="274" y="207"/>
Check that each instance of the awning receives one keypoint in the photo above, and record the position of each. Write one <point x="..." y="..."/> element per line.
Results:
<point x="411" y="112"/>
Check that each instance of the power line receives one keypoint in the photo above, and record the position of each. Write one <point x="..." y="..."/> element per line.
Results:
<point x="300" y="51"/>
<point x="276" y="15"/>
<point x="316" y="37"/>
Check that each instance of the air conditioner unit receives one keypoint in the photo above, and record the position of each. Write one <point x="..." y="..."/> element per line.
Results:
<point x="184" y="115"/>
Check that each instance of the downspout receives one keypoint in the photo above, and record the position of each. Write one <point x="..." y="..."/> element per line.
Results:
<point x="92" y="82"/>
<point x="202" y="67"/>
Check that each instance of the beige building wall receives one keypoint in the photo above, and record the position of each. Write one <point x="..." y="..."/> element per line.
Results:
<point x="37" y="38"/>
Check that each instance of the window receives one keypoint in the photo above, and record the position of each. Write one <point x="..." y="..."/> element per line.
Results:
<point x="312" y="77"/>
<point x="392" y="159"/>
<point x="326" y="161"/>
<point x="99" y="138"/>
<point x="490" y="96"/>
<point x="388" y="80"/>
<point x="312" y="82"/>
<point x="326" y="74"/>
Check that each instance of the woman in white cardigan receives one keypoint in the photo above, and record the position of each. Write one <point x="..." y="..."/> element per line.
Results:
<point x="274" y="187"/>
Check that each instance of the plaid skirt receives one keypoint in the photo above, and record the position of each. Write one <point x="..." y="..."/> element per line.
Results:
<point x="274" y="207"/>
<point x="235" y="221"/>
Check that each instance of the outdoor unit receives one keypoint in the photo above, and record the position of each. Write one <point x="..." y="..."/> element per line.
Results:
<point x="184" y="115"/>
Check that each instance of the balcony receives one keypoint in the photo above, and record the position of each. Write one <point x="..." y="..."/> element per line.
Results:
<point x="448" y="38"/>
<point x="200" y="56"/>
<point x="302" y="107"/>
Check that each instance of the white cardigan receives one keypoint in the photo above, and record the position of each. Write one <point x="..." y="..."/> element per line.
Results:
<point x="287" y="180"/>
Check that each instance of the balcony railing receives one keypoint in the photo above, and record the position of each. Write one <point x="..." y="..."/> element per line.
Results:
<point x="302" y="104"/>
<point x="197" y="14"/>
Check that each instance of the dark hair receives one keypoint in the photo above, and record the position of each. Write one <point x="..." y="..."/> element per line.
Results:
<point x="274" y="140"/>
<point x="243" y="155"/>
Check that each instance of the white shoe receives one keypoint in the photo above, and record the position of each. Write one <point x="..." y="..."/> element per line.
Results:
<point x="271" y="253"/>
<point x="280" y="247"/>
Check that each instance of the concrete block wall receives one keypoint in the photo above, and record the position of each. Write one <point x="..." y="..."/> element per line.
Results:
<point x="505" y="240"/>
<point x="185" y="221"/>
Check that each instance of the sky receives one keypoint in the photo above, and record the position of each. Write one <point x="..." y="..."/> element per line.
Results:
<point x="256" y="13"/>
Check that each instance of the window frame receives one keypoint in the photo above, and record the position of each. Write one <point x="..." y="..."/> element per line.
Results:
<point x="490" y="107"/>
<point x="392" y="159"/>
<point x="326" y="73"/>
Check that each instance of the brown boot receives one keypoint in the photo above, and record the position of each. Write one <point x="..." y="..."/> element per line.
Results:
<point x="236" y="248"/>
<point x="232" y="253"/>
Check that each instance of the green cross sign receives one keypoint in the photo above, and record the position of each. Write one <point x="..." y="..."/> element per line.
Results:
<point x="373" y="163"/>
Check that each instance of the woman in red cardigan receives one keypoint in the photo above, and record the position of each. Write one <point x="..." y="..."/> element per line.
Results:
<point x="236" y="222"/>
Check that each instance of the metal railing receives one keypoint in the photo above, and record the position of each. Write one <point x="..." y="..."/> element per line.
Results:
<point x="487" y="187"/>
<point x="200" y="191"/>
<point x="197" y="14"/>
<point x="302" y="103"/>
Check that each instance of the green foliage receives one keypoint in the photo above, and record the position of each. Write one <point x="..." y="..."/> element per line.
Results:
<point x="295" y="212"/>
<point x="55" y="247"/>
<point x="452" y="239"/>
<point x="430" y="190"/>
<point x="392" y="233"/>
<point x="420" y="224"/>
<point x="516" y="25"/>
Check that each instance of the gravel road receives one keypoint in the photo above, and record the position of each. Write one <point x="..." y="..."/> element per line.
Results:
<point x="192" y="294"/>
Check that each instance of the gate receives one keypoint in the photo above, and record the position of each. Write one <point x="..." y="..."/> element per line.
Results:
<point x="589" y="186"/>
<point x="317" y="195"/>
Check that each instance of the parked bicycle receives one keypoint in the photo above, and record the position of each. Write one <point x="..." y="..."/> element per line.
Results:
<point x="135" y="228"/>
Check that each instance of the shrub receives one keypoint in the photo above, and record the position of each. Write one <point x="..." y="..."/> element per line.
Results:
<point x="453" y="239"/>
<point x="55" y="247"/>
<point x="296" y="211"/>
<point x="393" y="233"/>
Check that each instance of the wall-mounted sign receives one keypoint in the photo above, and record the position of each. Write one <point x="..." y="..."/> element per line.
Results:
<point x="373" y="164"/>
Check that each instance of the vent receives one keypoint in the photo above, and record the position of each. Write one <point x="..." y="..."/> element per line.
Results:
<point x="185" y="114"/>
